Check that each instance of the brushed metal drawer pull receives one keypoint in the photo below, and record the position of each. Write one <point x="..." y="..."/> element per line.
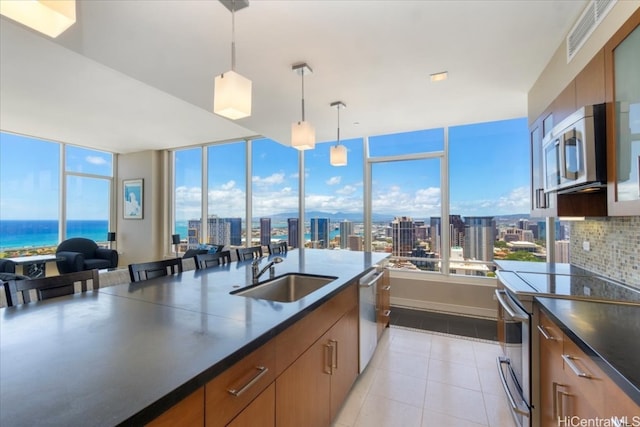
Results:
<point x="387" y="288"/>
<point x="545" y="334"/>
<point x="569" y="360"/>
<point x="334" y="355"/>
<point x="261" y="371"/>
<point x="386" y="313"/>
<point x="329" y="366"/>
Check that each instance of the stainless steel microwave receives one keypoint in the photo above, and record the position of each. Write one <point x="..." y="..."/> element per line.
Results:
<point x="574" y="152"/>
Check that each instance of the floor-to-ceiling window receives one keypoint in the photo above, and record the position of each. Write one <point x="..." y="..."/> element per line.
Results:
<point x="31" y="197"/>
<point x="334" y="198"/>
<point x="489" y="184"/>
<point x="406" y="196"/>
<point x="226" y="194"/>
<point x="274" y="185"/>
<point x="188" y="196"/>
<point x="448" y="200"/>
<point x="88" y="176"/>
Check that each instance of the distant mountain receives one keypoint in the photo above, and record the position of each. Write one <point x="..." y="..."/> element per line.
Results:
<point x="357" y="217"/>
<point x="333" y="217"/>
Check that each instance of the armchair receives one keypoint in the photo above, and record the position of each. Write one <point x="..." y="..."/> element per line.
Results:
<point x="84" y="254"/>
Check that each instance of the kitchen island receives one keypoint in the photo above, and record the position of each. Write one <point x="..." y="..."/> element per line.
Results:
<point x="125" y="354"/>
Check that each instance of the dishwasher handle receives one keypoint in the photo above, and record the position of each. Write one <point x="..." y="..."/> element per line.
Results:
<point x="367" y="284"/>
<point x="515" y="312"/>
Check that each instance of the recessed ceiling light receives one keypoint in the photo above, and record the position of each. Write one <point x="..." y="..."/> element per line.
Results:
<point x="437" y="77"/>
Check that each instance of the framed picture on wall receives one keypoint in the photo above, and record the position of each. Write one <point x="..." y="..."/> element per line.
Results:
<point x="133" y="191"/>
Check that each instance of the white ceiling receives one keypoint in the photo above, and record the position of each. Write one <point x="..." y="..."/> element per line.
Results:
<point x="134" y="75"/>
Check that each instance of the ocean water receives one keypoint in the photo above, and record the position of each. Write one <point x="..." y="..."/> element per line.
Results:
<point x="19" y="234"/>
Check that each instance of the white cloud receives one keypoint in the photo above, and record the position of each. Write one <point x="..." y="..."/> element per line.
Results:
<point x="346" y="190"/>
<point x="275" y="178"/>
<point x="95" y="160"/>
<point x="334" y="180"/>
<point x="229" y="185"/>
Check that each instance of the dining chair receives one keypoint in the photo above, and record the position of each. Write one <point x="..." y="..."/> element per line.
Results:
<point x="150" y="270"/>
<point x="50" y="287"/>
<point x="277" y="248"/>
<point x="249" y="253"/>
<point x="212" y="260"/>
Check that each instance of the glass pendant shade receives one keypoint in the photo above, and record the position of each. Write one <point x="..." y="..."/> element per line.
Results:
<point x="232" y="96"/>
<point x="50" y="17"/>
<point x="338" y="155"/>
<point x="303" y="136"/>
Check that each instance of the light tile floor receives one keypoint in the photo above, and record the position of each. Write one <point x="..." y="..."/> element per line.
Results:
<point x="424" y="379"/>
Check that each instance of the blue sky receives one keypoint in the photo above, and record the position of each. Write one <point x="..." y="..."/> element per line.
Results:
<point x="489" y="175"/>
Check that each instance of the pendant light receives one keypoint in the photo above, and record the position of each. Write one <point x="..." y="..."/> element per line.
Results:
<point x="232" y="92"/>
<point x="338" y="153"/>
<point x="303" y="135"/>
<point x="48" y="17"/>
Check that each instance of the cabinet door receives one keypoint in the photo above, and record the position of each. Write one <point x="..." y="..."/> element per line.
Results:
<point x="542" y="204"/>
<point x="344" y="337"/>
<point x="552" y="382"/>
<point x="303" y="389"/>
<point x="383" y="303"/>
<point x="622" y="67"/>
<point x="260" y="413"/>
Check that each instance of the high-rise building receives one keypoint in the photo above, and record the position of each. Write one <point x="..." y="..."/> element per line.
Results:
<point x="292" y="232"/>
<point x="523" y="224"/>
<point x="220" y="231"/>
<point x="403" y="237"/>
<point x="320" y="233"/>
<point x="346" y="229"/>
<point x="421" y="229"/>
<point x="479" y="238"/>
<point x="265" y="231"/>
<point x="456" y="232"/>
<point x="355" y="243"/>
<point x="562" y="253"/>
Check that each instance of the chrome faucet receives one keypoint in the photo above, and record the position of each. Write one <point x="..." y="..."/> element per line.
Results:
<point x="257" y="273"/>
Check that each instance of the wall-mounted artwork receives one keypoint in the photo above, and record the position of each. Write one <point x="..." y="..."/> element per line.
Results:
<point x="132" y="190"/>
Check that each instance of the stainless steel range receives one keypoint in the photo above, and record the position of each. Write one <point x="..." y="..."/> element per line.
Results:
<point x="518" y="366"/>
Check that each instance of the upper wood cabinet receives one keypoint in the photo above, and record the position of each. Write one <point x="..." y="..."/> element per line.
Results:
<point x="622" y="91"/>
<point x="590" y="82"/>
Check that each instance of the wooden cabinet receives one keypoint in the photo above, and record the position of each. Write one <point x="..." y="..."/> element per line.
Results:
<point x="383" y="303"/>
<point x="188" y="412"/>
<point x="542" y="204"/>
<point x="311" y="391"/>
<point x="572" y="384"/>
<point x="260" y="413"/>
<point x="300" y="377"/>
<point x="590" y="82"/>
<point x="231" y="391"/>
<point x="622" y="91"/>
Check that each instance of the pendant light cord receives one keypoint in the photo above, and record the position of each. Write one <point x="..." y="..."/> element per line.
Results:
<point x="338" y="140"/>
<point x="233" y="35"/>
<point x="302" y="74"/>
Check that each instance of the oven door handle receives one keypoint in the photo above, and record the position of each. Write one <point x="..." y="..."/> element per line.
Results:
<point x="518" y="409"/>
<point x="515" y="312"/>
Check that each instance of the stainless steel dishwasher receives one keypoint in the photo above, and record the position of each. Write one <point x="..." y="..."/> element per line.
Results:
<point x="368" y="326"/>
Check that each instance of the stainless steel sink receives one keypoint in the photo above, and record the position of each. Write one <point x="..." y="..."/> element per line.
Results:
<point x="286" y="288"/>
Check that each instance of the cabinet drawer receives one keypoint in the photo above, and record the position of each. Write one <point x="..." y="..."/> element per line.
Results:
<point x="231" y="391"/>
<point x="292" y="342"/>
<point x="584" y="376"/>
<point x="187" y="412"/>
<point x="550" y="334"/>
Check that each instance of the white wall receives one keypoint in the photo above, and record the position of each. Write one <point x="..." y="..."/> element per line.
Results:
<point x="558" y="74"/>
<point x="144" y="240"/>
<point x="453" y="294"/>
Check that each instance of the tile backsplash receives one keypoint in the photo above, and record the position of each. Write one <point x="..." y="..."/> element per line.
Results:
<point x="614" y="247"/>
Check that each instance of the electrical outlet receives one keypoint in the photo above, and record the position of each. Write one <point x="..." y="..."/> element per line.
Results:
<point x="586" y="246"/>
<point x="587" y="291"/>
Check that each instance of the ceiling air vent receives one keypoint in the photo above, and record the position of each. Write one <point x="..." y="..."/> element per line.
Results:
<point x="593" y="14"/>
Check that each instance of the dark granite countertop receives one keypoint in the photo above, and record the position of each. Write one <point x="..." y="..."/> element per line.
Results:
<point x="540" y="267"/>
<point x="606" y="332"/>
<point x="126" y="353"/>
